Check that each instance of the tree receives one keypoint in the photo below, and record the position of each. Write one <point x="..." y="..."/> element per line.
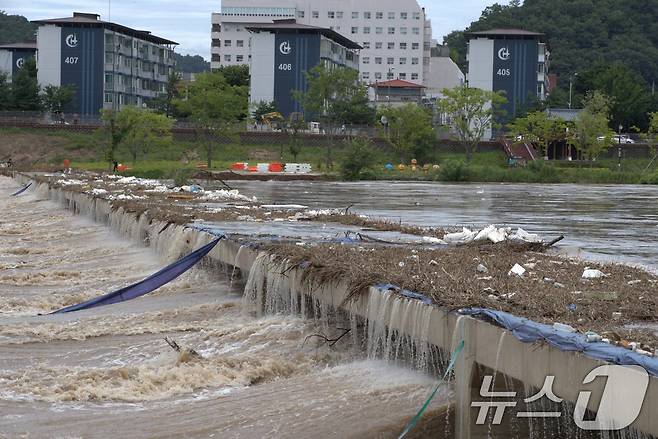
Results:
<point x="116" y="130"/>
<point x="6" y="98"/>
<point x="16" y="28"/>
<point x="471" y="113"/>
<point x="25" y="88"/>
<point x="215" y="107"/>
<point x="237" y="76"/>
<point x="261" y="109"/>
<point x="335" y="97"/>
<point x="163" y="104"/>
<point x="653" y="132"/>
<point x="539" y="128"/>
<point x="410" y="131"/>
<point x="591" y="131"/>
<point x="358" y="157"/>
<point x="55" y="99"/>
<point x="191" y="63"/>
<point x="295" y="125"/>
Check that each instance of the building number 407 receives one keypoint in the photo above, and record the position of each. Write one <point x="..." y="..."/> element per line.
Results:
<point x="504" y="72"/>
<point x="71" y="60"/>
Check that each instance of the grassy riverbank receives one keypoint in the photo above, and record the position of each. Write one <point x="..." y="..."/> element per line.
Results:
<point x="39" y="149"/>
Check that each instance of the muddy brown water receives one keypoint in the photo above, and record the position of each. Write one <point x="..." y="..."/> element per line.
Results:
<point x="107" y="372"/>
<point x="608" y="222"/>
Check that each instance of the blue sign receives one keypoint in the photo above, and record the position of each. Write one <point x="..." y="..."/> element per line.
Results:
<point x="295" y="55"/>
<point x="83" y="55"/>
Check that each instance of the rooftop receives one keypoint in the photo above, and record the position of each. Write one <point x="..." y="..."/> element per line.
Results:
<point x="25" y="45"/>
<point x="93" y="20"/>
<point x="500" y="32"/>
<point x="395" y="83"/>
<point x="294" y="27"/>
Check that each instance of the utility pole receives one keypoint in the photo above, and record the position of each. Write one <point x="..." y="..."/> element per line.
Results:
<point x="571" y="80"/>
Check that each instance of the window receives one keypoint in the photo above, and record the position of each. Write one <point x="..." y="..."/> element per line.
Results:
<point x="403" y="61"/>
<point x="331" y="14"/>
<point x="391" y="31"/>
<point x="403" y="30"/>
<point x="415" y="46"/>
<point x="391" y="15"/>
<point x="416" y="31"/>
<point x="355" y="15"/>
<point x="416" y="15"/>
<point x="108" y="78"/>
<point x="426" y="45"/>
<point x="404" y="15"/>
<point x="379" y="30"/>
<point x="365" y="75"/>
<point x="379" y="15"/>
<point x="426" y="61"/>
<point x="339" y="15"/>
<point x="366" y="30"/>
<point x="390" y="61"/>
<point x="378" y="75"/>
<point x="227" y="58"/>
<point x="414" y="76"/>
<point x="108" y="98"/>
<point x="215" y="57"/>
<point x="239" y="58"/>
<point x="378" y="45"/>
<point x="366" y="60"/>
<point x="390" y="75"/>
<point x="355" y="30"/>
<point x="109" y="57"/>
<point x="215" y="28"/>
<point x="239" y="43"/>
<point x="378" y="60"/>
<point x="391" y="46"/>
<point x="403" y="46"/>
<point x="215" y="43"/>
<point x="300" y="14"/>
<point x="414" y="61"/>
<point x="402" y="75"/>
<point x="366" y="45"/>
<point x="367" y="15"/>
<point x="315" y="14"/>
<point x="227" y="43"/>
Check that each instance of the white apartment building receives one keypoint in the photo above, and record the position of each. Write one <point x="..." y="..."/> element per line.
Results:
<point x="395" y="34"/>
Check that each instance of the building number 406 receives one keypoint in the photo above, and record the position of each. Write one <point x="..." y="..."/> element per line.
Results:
<point x="286" y="67"/>
<point x="504" y="72"/>
<point x="71" y="60"/>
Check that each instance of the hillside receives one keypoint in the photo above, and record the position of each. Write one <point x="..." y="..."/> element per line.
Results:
<point x="580" y="32"/>
<point x="15" y="29"/>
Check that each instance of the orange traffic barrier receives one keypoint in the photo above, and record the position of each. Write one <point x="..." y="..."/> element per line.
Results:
<point x="276" y="167"/>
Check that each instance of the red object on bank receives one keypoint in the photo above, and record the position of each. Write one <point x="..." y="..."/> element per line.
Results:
<point x="275" y="167"/>
<point x="66" y="163"/>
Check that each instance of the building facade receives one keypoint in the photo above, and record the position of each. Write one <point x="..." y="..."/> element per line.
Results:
<point x="109" y="65"/>
<point x="284" y="51"/>
<point x="395" y="35"/>
<point x="512" y="61"/>
<point x="13" y="56"/>
<point x="444" y="72"/>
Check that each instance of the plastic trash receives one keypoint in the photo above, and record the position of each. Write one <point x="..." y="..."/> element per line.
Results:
<point x="593" y="337"/>
<point x="517" y="270"/>
<point x="563" y="327"/>
<point x="522" y="235"/>
<point x="591" y="273"/>
<point x="433" y="240"/>
<point x="492" y="234"/>
<point x="464" y="237"/>
<point x="482" y="269"/>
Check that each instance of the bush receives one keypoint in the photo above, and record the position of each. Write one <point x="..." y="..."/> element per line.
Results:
<point x="544" y="172"/>
<point x="358" y="157"/>
<point x="650" y="178"/>
<point x="181" y="176"/>
<point x="454" y="170"/>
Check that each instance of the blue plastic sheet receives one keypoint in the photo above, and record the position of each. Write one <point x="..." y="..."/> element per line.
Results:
<point x="17" y="193"/>
<point x="147" y="285"/>
<point x="528" y="331"/>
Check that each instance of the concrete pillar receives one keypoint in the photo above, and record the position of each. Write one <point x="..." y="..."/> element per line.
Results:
<point x="464" y="369"/>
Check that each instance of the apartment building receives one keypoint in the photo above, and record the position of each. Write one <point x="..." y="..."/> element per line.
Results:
<point x="13" y="56"/>
<point x="395" y="35"/>
<point x="513" y="61"/>
<point x="108" y="64"/>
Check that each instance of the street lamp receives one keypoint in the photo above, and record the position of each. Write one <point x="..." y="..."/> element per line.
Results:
<point x="621" y="127"/>
<point x="571" y="81"/>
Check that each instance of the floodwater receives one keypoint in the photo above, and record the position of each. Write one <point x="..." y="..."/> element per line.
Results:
<point x="107" y="372"/>
<point x="616" y="223"/>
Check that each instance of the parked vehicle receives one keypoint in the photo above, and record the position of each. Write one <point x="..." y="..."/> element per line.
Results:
<point x="617" y="138"/>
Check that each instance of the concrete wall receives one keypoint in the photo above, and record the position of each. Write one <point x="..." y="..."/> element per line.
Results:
<point x="49" y="61"/>
<point x="262" y="68"/>
<point x="6" y="63"/>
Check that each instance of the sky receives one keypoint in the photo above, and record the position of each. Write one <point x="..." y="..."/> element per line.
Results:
<point x="189" y="23"/>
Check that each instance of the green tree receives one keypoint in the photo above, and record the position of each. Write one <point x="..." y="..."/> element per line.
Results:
<point x="294" y="127"/>
<point x="410" y="131"/>
<point x="6" y="98"/>
<point x="215" y="107"/>
<point x="357" y="158"/>
<point x="592" y="134"/>
<point x="261" y="109"/>
<point x="16" y="28"/>
<point x="25" y="88"/>
<point x="191" y="63"/>
<point x="471" y="113"/>
<point x="116" y="130"/>
<point x="335" y="97"/>
<point x="164" y="103"/>
<point x="540" y="129"/>
<point x="55" y="99"/>
<point x="237" y="76"/>
<point x="653" y="132"/>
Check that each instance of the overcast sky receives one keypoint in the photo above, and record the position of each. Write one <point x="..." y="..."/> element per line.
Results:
<point x="189" y="23"/>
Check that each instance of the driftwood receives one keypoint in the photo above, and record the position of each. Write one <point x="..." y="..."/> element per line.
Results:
<point x="176" y="347"/>
<point x="330" y="341"/>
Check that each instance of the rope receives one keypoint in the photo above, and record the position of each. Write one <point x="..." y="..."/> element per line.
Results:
<point x="451" y="366"/>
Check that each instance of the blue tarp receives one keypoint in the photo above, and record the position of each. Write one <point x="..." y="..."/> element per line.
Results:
<point x="147" y="285"/>
<point x="17" y="193"/>
<point x="528" y="331"/>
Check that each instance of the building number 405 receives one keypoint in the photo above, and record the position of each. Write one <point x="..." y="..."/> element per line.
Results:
<point x="504" y="72"/>
<point x="287" y="67"/>
<point x="71" y="60"/>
